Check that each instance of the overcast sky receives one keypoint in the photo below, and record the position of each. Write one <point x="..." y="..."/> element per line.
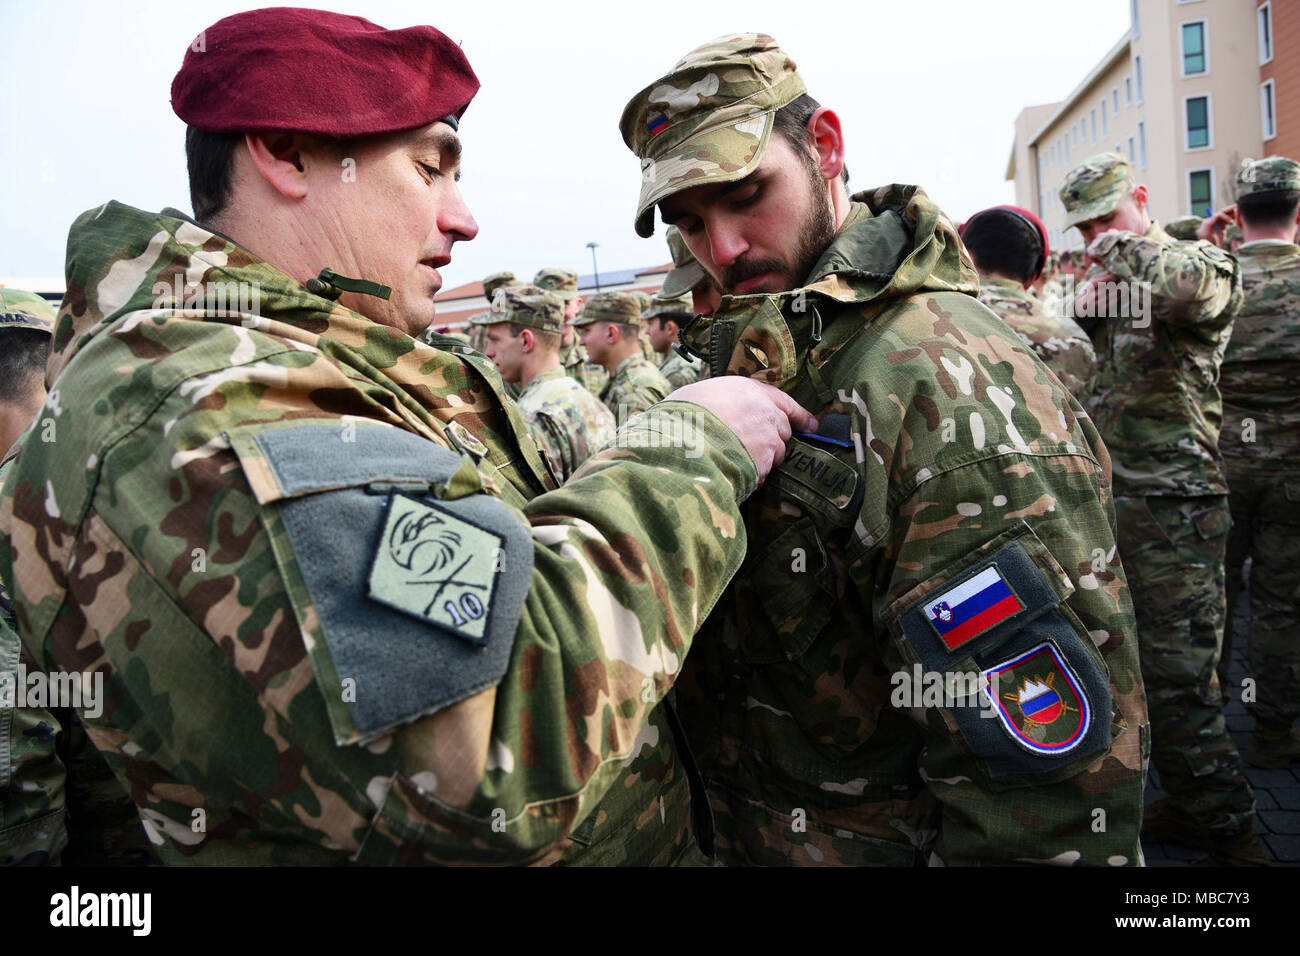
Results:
<point x="928" y="92"/>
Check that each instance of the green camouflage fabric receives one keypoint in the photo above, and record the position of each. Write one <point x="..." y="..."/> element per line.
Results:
<point x="1052" y="297"/>
<point x="1260" y="443"/>
<point x="526" y="305"/>
<point x="622" y="307"/>
<point x="594" y="378"/>
<point x="1057" y="340"/>
<point x="1095" y="188"/>
<point x="562" y="282"/>
<point x="567" y="422"/>
<point x="958" y="446"/>
<point x="497" y="280"/>
<point x="1267" y="175"/>
<point x="1174" y="549"/>
<point x="150" y="543"/>
<point x="1230" y="235"/>
<point x="1184" y="227"/>
<point x="686" y="272"/>
<point x="678" y="370"/>
<point x="709" y="119"/>
<point x="1157" y="402"/>
<point x="635" y="384"/>
<point x="24" y="310"/>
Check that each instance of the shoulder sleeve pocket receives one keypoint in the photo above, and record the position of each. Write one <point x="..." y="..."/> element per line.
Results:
<point x="1032" y="699"/>
<point x="407" y="581"/>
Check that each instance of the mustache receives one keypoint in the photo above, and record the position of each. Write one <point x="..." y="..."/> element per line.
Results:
<point x="743" y="269"/>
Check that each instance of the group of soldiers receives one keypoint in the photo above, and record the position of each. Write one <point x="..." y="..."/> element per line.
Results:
<point x="362" y="591"/>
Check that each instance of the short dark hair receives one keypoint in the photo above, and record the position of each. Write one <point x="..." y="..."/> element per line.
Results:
<point x="23" y="353"/>
<point x="549" y="341"/>
<point x="791" y="121"/>
<point x="1003" y="243"/>
<point x="1270" y="210"/>
<point x="681" y="318"/>
<point x="210" y="161"/>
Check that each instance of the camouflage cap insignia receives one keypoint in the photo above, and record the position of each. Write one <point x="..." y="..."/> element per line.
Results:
<point x="1039" y="700"/>
<point x="657" y="125"/>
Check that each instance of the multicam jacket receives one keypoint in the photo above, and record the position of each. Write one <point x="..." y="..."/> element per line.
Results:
<point x="1260" y="377"/>
<point x="1156" y="402"/>
<point x="567" y="422"/>
<point x="337" y="616"/>
<point x="929" y="653"/>
<point x="588" y="374"/>
<point x="1057" y="340"/>
<point x="634" y="386"/>
<point x="678" y="370"/>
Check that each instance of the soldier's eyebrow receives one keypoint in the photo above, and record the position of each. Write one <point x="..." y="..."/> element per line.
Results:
<point x="710" y="196"/>
<point x="444" y="142"/>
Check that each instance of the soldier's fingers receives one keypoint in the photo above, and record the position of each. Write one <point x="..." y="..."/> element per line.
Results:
<point x="799" y="417"/>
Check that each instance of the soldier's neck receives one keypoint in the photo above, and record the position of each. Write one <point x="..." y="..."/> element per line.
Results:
<point x="1285" y="233"/>
<point x="535" y="364"/>
<point x="618" y="353"/>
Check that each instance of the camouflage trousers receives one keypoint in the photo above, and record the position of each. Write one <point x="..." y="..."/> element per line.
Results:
<point x="1173" y="551"/>
<point x="1266" y="528"/>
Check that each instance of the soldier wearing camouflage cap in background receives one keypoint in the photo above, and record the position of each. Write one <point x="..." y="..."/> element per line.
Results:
<point x="950" y="470"/>
<point x="1158" y="409"/>
<point x="1009" y="247"/>
<point x="662" y="320"/>
<point x="1260" y="443"/>
<point x="688" y="276"/>
<point x="1184" y="227"/>
<point x="610" y="324"/>
<point x="573" y="357"/>
<point x="648" y="351"/>
<point x="476" y="332"/>
<point x="567" y="422"/>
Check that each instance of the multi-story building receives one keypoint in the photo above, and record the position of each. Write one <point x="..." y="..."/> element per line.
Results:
<point x="1183" y="95"/>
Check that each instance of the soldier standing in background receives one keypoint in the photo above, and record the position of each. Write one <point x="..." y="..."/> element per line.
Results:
<point x="573" y="357"/>
<point x="567" y="422"/>
<point x="1184" y="228"/>
<point x="1261" y="450"/>
<point x="1009" y="247"/>
<point x="1158" y="409"/>
<point x="611" y="329"/>
<point x="663" y="319"/>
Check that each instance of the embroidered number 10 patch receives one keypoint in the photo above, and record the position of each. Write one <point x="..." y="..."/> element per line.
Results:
<point x="437" y="567"/>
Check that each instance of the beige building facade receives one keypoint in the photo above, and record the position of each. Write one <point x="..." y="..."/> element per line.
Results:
<point x="1178" y="95"/>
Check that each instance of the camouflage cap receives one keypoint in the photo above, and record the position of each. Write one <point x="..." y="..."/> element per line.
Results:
<point x="1095" y="187"/>
<point x="25" y="310"/>
<point x="686" y="272"/>
<point x="496" y="281"/>
<point x="610" y="307"/>
<point x="1184" y="227"/>
<point x="1268" y="175"/>
<point x="480" y="318"/>
<point x="527" y="305"/>
<point x="561" y="282"/>
<point x="669" y="305"/>
<point x="709" y="119"/>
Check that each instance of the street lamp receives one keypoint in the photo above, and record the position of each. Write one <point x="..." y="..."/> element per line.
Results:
<point x="592" y="246"/>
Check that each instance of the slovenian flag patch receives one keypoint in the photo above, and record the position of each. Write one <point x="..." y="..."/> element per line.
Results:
<point x="658" y="125"/>
<point x="972" y="607"/>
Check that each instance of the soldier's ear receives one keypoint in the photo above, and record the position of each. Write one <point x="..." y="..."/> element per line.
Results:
<point x="1140" y="195"/>
<point x="528" y="339"/>
<point x="827" y="142"/>
<point x="278" y="159"/>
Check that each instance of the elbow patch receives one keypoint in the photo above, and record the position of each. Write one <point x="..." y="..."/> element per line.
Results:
<point x="1038" y="705"/>
<point x="408" y="599"/>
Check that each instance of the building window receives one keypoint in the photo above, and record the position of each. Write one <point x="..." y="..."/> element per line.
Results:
<point x="1267" y="112"/>
<point x="1128" y="91"/>
<point x="1264" y="16"/>
<point x="1131" y="157"/>
<point x="1092" y="125"/>
<point x="1133" y="16"/>
<point x="1114" y="100"/>
<point x="1198" y="122"/>
<point x="1105" y="124"/>
<point x="1196" y="58"/>
<point x="1142" y="144"/>
<point x="1137" y="72"/>
<point x="1200" y="183"/>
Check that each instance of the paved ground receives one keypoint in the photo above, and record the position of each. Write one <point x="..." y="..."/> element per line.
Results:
<point x="1277" y="792"/>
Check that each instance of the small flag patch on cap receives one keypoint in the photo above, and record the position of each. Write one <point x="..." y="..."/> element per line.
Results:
<point x="657" y="125"/>
<point x="976" y="605"/>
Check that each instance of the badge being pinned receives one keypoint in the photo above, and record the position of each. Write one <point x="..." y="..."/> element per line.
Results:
<point x="1040" y="701"/>
<point x="437" y="567"/>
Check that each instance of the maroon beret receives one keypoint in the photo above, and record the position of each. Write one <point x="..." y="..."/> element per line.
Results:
<point x="311" y="71"/>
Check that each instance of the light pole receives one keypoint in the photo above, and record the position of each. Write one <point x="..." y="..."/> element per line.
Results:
<point x="592" y="246"/>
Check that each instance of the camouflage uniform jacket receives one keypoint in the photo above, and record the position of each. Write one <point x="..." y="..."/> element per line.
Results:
<point x="1156" y="401"/>
<point x="634" y="386"/>
<point x="949" y="462"/>
<point x="1057" y="340"/>
<point x="1260" y="377"/>
<point x="567" y="422"/>
<point x="208" y="528"/>
<point x="678" y="370"/>
<point x="589" y="375"/>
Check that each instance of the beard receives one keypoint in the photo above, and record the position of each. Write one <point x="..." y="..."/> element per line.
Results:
<point x="815" y="234"/>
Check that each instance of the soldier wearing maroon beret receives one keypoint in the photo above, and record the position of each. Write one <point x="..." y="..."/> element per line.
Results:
<point x="340" y="610"/>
